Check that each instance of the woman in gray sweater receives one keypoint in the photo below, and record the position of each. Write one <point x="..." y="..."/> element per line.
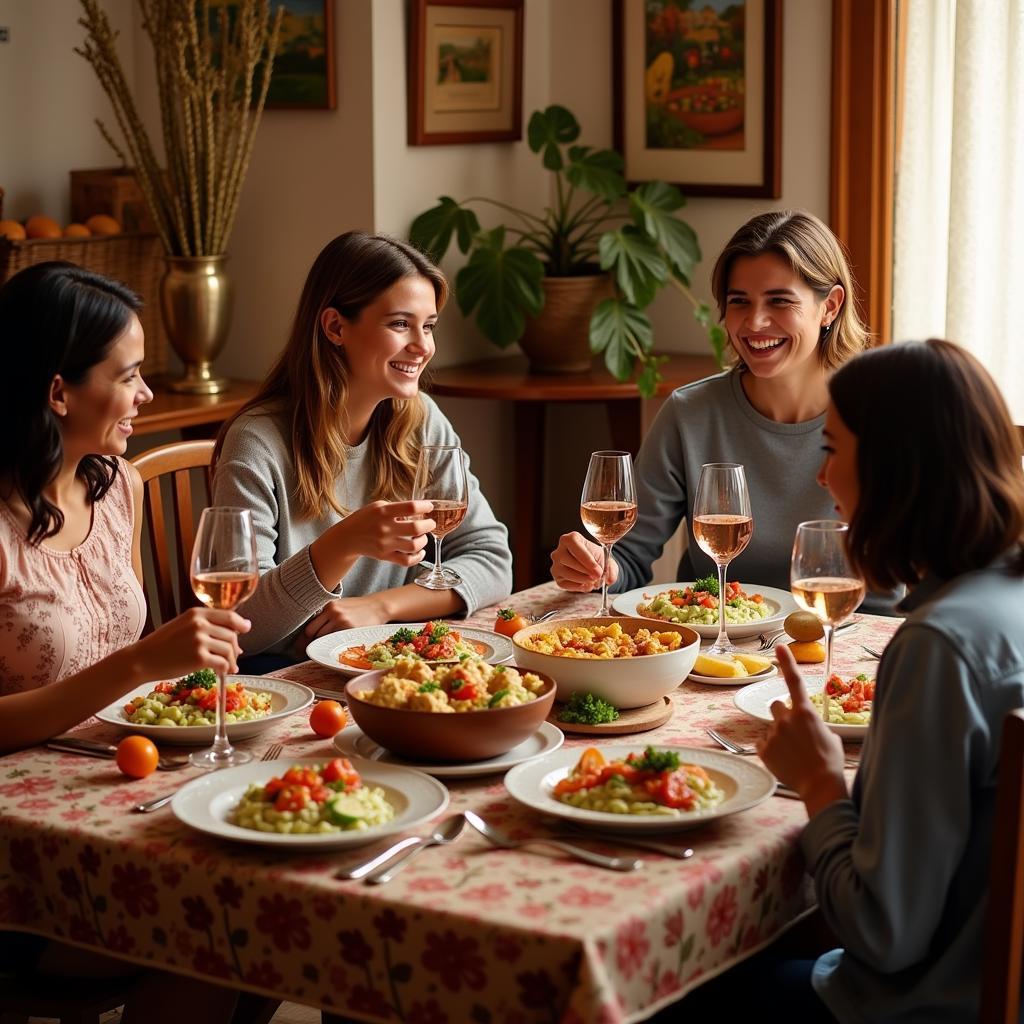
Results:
<point x="324" y="457"/>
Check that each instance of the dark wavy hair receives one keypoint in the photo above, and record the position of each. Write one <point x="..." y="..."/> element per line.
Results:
<point x="55" y="318"/>
<point x="938" y="460"/>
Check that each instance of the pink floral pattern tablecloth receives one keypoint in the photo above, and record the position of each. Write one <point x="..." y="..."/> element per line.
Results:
<point x="466" y="933"/>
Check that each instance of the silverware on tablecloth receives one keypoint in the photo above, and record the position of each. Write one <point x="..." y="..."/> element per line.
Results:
<point x="362" y="868"/>
<point x="744" y="751"/>
<point x="95" y="748"/>
<point x="328" y="694"/>
<point x="768" y="640"/>
<point x="871" y="652"/>
<point x="781" y="789"/>
<point x="580" y="853"/>
<point x="544" y="618"/>
<point x="447" y="832"/>
<point x="574" y="831"/>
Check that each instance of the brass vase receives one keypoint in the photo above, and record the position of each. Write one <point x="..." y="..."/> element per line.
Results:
<point x="195" y="299"/>
<point x="558" y="341"/>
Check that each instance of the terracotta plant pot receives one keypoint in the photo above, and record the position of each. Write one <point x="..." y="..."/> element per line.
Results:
<point x="558" y="341"/>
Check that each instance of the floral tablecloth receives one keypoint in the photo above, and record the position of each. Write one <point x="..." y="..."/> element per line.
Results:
<point x="466" y="933"/>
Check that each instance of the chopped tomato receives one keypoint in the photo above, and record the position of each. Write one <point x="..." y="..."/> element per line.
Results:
<point x="297" y="776"/>
<point x="572" y="783"/>
<point x="292" y="798"/>
<point x="167" y="686"/>
<point x="465" y="692"/>
<point x="341" y="770"/>
<point x="590" y="763"/>
<point x="674" y="791"/>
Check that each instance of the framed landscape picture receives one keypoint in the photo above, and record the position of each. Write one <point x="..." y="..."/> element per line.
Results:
<point x="303" y="76"/>
<point x="697" y="86"/>
<point x="465" y="71"/>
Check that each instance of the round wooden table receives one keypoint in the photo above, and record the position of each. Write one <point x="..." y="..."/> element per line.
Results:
<point x="509" y="379"/>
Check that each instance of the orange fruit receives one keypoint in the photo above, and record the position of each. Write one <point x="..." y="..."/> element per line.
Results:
<point x="808" y="652"/>
<point x="11" y="229"/>
<point x="76" y="231"/>
<point x="327" y="718"/>
<point x="101" y="224"/>
<point x="137" y="756"/>
<point x="39" y="226"/>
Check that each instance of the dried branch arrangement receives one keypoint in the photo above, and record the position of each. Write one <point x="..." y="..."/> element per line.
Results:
<point x="208" y="73"/>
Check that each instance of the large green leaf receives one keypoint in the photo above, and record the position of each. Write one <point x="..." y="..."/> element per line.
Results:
<point x="597" y="170"/>
<point x="639" y="267"/>
<point x="621" y="332"/>
<point x="652" y="206"/>
<point x="504" y="283"/>
<point x="549" y="130"/>
<point x="431" y="232"/>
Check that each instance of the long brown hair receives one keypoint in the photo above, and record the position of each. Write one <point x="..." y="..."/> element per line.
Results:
<point x="938" y="460"/>
<point x="311" y="378"/>
<point x="811" y="250"/>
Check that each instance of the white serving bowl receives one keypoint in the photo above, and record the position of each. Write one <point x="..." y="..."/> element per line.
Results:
<point x="624" y="682"/>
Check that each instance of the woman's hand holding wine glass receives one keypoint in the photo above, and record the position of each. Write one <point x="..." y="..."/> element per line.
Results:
<point x="722" y="526"/>
<point x="824" y="582"/>
<point x="608" y="506"/>
<point x="224" y="573"/>
<point x="441" y="479"/>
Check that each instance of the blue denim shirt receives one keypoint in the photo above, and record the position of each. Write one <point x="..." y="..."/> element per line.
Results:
<point x="901" y="869"/>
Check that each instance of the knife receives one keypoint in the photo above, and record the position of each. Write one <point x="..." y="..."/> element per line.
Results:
<point x="95" y="748"/>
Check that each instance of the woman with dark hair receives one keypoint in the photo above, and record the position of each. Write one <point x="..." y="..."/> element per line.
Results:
<point x="785" y="295"/>
<point x="72" y="606"/>
<point x="923" y="461"/>
<point x="324" y="456"/>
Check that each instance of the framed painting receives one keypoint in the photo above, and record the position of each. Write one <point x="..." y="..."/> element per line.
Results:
<point x="698" y="94"/>
<point x="465" y="71"/>
<point x="303" y="76"/>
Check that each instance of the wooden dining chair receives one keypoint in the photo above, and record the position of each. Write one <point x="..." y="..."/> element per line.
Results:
<point x="174" y="464"/>
<point x="69" y="1000"/>
<point x="1004" y="926"/>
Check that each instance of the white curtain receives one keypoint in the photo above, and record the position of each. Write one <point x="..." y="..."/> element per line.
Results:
<point x="959" y="214"/>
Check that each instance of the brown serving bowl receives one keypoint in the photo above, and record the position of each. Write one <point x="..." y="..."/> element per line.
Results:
<point x="436" y="736"/>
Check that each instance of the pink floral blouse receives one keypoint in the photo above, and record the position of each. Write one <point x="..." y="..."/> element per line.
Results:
<point x="62" y="611"/>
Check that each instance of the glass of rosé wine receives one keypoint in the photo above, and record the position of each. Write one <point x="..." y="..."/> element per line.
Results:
<point x="441" y="478"/>
<point x="608" y="506"/>
<point x="224" y="573"/>
<point x="823" y="582"/>
<point x="722" y="526"/>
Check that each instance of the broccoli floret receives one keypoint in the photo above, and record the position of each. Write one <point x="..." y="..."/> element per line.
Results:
<point x="709" y="583"/>
<point x="205" y="679"/>
<point x="586" y="709"/>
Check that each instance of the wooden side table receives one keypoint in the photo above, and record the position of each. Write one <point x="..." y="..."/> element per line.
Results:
<point x="196" y="416"/>
<point x="511" y="380"/>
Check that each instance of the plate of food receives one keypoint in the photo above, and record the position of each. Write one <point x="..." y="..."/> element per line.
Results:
<point x="365" y="648"/>
<point x="736" y="669"/>
<point x="748" y="610"/>
<point x="183" y="711"/>
<point x="630" y="788"/>
<point x="353" y="742"/>
<point x="309" y="804"/>
<point x="850" y="702"/>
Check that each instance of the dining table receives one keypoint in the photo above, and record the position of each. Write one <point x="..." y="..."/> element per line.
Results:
<point x="467" y="932"/>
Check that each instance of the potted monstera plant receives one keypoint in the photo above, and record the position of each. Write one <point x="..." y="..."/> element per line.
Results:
<point x="590" y="264"/>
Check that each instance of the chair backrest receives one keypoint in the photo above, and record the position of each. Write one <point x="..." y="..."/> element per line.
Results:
<point x="1004" y="926"/>
<point x="173" y="462"/>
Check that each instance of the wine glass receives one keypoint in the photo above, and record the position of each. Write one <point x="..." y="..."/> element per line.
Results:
<point x="608" y="506"/>
<point x="441" y="478"/>
<point x="224" y="573"/>
<point x="722" y="527"/>
<point x="823" y="581"/>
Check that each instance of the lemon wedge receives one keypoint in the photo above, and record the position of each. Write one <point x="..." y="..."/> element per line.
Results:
<point x="753" y="663"/>
<point x="717" y="666"/>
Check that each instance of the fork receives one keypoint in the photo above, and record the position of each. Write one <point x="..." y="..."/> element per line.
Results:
<point x="738" y="748"/>
<point x="768" y="640"/>
<point x="272" y="753"/>
<point x="871" y="652"/>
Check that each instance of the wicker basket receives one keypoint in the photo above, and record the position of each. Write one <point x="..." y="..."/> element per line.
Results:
<point x="133" y="259"/>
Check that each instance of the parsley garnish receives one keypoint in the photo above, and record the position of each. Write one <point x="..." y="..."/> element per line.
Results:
<point x="402" y="636"/>
<point x="205" y="679"/>
<point x="428" y="687"/>
<point x="709" y="583"/>
<point x="654" y="760"/>
<point x="493" y="702"/>
<point x="586" y="709"/>
<point x="437" y="630"/>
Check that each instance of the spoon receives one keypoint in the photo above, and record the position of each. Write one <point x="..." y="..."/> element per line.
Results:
<point x="580" y="853"/>
<point x="447" y="832"/>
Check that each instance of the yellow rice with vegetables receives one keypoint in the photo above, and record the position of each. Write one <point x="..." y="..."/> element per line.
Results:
<point x="601" y="642"/>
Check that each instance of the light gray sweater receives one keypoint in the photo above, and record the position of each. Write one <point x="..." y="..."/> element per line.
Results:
<point x="713" y="421"/>
<point x="256" y="471"/>
<point x="901" y="870"/>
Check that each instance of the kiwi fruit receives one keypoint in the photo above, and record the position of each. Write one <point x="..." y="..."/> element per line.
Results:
<point x="804" y="626"/>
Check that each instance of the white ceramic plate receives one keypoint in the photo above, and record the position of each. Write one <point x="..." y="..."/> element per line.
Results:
<point x="744" y="781"/>
<point x="766" y="673"/>
<point x="325" y="649"/>
<point x="286" y="699"/>
<point x="353" y="742"/>
<point x="756" y="700"/>
<point x="205" y="803"/>
<point x="780" y="603"/>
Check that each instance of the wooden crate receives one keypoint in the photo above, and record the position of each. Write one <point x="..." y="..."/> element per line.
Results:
<point x="135" y="260"/>
<point x="113" y="191"/>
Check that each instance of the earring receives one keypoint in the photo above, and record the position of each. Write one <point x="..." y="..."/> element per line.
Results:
<point x="826" y="330"/>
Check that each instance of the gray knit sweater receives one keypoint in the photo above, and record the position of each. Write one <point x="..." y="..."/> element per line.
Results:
<point x="256" y="471"/>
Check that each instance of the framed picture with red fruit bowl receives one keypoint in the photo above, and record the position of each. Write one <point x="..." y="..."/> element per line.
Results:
<point x="697" y="93"/>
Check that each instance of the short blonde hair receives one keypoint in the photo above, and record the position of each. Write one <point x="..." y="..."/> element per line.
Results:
<point x="812" y="251"/>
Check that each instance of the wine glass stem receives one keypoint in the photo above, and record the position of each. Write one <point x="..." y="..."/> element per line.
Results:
<point x="437" y="574"/>
<point x="605" y="610"/>
<point x="829" y="633"/>
<point x="722" y="640"/>
<point x="221" y="746"/>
